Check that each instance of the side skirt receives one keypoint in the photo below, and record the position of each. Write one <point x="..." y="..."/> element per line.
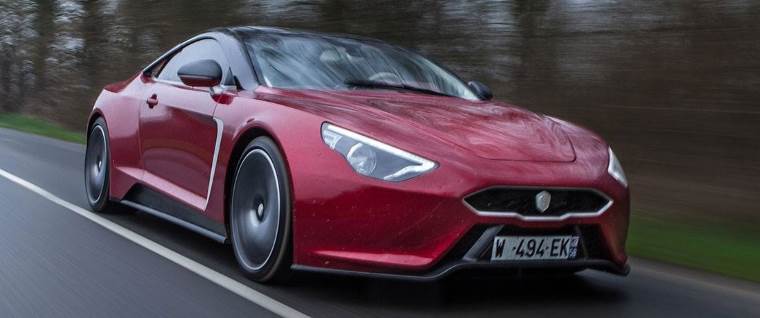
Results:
<point x="158" y="205"/>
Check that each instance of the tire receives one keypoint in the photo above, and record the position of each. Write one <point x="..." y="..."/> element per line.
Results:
<point x="260" y="213"/>
<point x="96" y="167"/>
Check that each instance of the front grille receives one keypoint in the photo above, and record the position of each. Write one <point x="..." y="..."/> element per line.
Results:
<point x="523" y="201"/>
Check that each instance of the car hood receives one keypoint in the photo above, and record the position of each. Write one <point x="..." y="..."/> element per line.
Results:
<point x="489" y="130"/>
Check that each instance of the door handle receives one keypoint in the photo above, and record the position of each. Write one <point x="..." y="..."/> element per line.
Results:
<point x="152" y="101"/>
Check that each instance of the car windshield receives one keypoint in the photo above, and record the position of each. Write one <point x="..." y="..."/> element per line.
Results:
<point x="320" y="62"/>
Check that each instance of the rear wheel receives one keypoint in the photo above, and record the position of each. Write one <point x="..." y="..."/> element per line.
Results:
<point x="96" y="167"/>
<point x="260" y="212"/>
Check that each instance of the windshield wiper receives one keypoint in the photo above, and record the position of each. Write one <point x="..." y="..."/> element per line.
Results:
<point x="386" y="85"/>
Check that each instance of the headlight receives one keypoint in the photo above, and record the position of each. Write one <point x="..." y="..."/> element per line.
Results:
<point x="616" y="170"/>
<point x="372" y="158"/>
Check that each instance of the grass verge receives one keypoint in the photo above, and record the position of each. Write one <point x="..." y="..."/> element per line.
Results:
<point x="731" y="250"/>
<point x="40" y="127"/>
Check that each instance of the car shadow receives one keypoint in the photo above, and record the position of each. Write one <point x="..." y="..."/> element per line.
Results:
<point x="463" y="291"/>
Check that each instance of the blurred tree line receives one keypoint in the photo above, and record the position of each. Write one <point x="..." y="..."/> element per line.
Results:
<point x="672" y="85"/>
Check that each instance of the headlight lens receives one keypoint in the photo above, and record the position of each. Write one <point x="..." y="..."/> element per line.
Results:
<point x="372" y="158"/>
<point x="616" y="170"/>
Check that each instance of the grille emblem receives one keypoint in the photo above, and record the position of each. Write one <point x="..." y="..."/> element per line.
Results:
<point x="543" y="199"/>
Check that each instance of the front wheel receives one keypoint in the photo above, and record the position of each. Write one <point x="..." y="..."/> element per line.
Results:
<point x="260" y="215"/>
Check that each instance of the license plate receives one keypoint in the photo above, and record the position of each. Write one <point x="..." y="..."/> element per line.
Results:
<point x="534" y="247"/>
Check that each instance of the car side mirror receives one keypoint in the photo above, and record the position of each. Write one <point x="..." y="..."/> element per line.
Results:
<point x="203" y="73"/>
<point x="481" y="90"/>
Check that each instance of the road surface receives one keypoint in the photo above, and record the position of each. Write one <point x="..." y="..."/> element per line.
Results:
<point x="58" y="259"/>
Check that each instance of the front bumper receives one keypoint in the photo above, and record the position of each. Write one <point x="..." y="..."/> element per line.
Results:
<point x="473" y="250"/>
<point x="424" y="229"/>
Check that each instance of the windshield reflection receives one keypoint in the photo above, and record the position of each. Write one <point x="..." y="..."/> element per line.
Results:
<point x="309" y="61"/>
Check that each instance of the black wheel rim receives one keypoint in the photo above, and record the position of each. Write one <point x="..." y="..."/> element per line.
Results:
<point x="96" y="164"/>
<point x="255" y="209"/>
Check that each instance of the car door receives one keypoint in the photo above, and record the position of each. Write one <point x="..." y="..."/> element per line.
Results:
<point x="179" y="135"/>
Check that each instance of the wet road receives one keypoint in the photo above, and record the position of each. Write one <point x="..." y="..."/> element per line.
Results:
<point x="55" y="262"/>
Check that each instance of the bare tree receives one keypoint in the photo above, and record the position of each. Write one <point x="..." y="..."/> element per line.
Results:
<point x="17" y="37"/>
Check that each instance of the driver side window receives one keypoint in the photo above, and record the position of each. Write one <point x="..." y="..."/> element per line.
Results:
<point x="199" y="50"/>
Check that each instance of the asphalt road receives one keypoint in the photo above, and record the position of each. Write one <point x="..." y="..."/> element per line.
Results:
<point x="56" y="262"/>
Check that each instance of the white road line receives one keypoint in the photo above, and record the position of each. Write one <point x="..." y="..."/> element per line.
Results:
<point x="195" y="267"/>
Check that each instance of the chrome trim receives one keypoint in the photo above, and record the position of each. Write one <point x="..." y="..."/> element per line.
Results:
<point x="214" y="90"/>
<point x="163" y="81"/>
<point x="219" y="130"/>
<point x="515" y="214"/>
<point x="221" y="89"/>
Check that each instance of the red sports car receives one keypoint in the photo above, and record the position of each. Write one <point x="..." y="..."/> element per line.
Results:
<point x="342" y="154"/>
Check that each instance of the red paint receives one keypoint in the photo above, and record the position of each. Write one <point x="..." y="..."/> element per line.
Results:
<point x="177" y="139"/>
<point x="341" y="219"/>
